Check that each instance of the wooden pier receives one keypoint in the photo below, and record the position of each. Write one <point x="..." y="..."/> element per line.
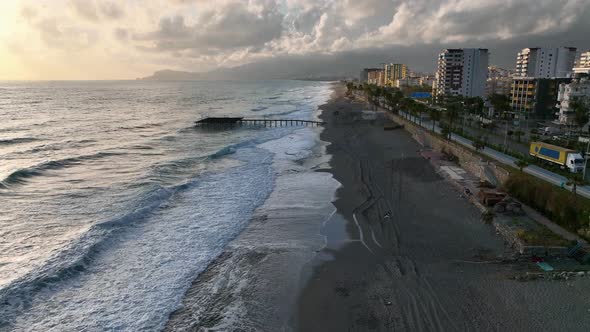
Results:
<point x="228" y="122"/>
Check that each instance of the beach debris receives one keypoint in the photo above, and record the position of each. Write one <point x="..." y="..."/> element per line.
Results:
<point x="490" y="197"/>
<point x="507" y="205"/>
<point x="486" y="184"/>
<point x="392" y="126"/>
<point x="551" y="275"/>
<point x="545" y="267"/>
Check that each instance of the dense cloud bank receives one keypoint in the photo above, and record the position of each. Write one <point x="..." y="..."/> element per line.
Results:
<point x="201" y="35"/>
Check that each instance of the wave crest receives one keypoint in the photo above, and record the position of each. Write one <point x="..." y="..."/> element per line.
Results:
<point x="20" y="176"/>
<point x="17" y="140"/>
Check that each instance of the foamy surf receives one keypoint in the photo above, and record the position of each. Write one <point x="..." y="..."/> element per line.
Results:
<point x="253" y="284"/>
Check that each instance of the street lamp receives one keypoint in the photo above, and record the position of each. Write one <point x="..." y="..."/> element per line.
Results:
<point x="586" y="159"/>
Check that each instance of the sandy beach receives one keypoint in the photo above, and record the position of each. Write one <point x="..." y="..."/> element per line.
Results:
<point x="416" y="256"/>
<point x="397" y="249"/>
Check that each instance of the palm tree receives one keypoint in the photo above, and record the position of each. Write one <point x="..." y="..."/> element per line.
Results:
<point x="434" y="116"/>
<point x="478" y="144"/>
<point x="451" y="114"/>
<point x="388" y="99"/>
<point x="445" y="131"/>
<point x="367" y="90"/>
<point x="580" y="112"/>
<point x="521" y="163"/>
<point x="500" y="103"/>
<point x="420" y="109"/>
<point x="518" y="133"/>
<point x="349" y="87"/>
<point x="575" y="180"/>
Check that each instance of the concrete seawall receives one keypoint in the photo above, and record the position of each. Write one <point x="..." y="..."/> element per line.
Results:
<point x="484" y="170"/>
<point x="473" y="163"/>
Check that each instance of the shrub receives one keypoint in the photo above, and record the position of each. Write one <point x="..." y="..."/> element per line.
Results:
<point x="561" y="206"/>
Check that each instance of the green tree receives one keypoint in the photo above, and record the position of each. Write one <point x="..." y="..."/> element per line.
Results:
<point x="575" y="180"/>
<point x="478" y="144"/>
<point x="445" y="130"/>
<point x="420" y="109"/>
<point x="388" y="99"/>
<point x="434" y="116"/>
<point x="521" y="163"/>
<point x="407" y="105"/>
<point x="451" y="114"/>
<point x="474" y="106"/>
<point x="518" y="133"/>
<point x="500" y="103"/>
<point x="349" y="87"/>
<point x="580" y="108"/>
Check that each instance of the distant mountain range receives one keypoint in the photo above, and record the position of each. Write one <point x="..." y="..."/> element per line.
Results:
<point x="293" y="67"/>
<point x="176" y="75"/>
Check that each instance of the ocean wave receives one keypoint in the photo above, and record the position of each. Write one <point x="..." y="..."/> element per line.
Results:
<point x="258" y="109"/>
<point x="173" y="168"/>
<point x="223" y="152"/>
<point x="13" y="129"/>
<point x="20" y="176"/>
<point x="141" y="147"/>
<point x="143" y="126"/>
<point x="17" y="140"/>
<point x="75" y="258"/>
<point x="57" y="146"/>
<point x="286" y="112"/>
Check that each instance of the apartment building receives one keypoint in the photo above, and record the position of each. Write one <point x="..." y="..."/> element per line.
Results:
<point x="499" y="81"/>
<point x="364" y="76"/>
<point x="582" y="66"/>
<point x="394" y="72"/>
<point x="535" y="97"/>
<point x="375" y="77"/>
<point x="462" y="72"/>
<point x="577" y="89"/>
<point x="540" y="62"/>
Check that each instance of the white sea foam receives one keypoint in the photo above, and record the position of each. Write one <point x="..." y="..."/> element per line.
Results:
<point x="297" y="209"/>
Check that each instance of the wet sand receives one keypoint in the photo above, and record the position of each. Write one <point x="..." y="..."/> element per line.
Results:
<point x="415" y="255"/>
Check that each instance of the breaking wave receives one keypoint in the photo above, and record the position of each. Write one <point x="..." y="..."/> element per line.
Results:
<point x="20" y="176"/>
<point x="11" y="141"/>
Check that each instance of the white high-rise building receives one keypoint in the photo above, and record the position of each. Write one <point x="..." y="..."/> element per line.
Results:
<point x="462" y="72"/>
<point x="545" y="62"/>
<point x="577" y="89"/>
<point x="583" y="64"/>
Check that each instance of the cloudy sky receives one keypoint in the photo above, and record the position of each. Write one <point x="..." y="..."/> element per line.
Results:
<point x="118" y="39"/>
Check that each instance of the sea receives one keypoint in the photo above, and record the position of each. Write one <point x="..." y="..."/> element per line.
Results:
<point x="112" y="202"/>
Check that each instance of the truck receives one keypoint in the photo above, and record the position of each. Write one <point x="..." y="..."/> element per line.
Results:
<point x="550" y="131"/>
<point x="566" y="158"/>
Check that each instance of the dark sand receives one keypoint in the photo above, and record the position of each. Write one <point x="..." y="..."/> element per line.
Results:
<point x="432" y="265"/>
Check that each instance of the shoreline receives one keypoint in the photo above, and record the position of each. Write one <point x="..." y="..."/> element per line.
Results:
<point x="254" y="283"/>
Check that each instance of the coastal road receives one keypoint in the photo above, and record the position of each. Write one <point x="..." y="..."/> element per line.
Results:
<point x="536" y="171"/>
